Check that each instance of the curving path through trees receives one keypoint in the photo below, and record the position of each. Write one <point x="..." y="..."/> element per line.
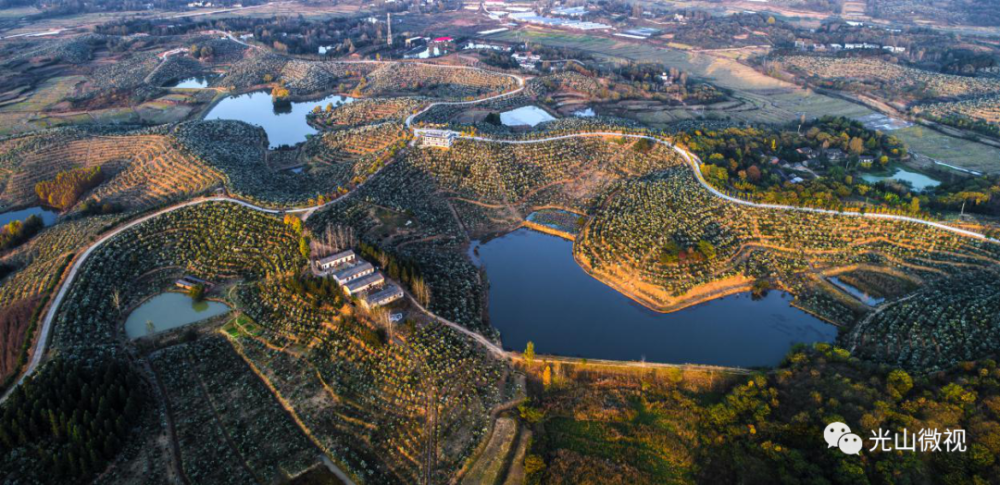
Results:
<point x="695" y="164"/>
<point x="691" y="159"/>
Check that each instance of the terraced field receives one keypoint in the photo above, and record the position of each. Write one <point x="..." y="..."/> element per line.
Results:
<point x="668" y="243"/>
<point x="889" y="81"/>
<point x="143" y="170"/>
<point x="229" y="427"/>
<point x="366" y="111"/>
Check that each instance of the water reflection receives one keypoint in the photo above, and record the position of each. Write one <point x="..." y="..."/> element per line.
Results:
<point x="538" y="293"/>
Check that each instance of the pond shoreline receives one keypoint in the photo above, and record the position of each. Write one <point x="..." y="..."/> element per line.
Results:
<point x="260" y="118"/>
<point x="538" y="293"/>
<point x="168" y="292"/>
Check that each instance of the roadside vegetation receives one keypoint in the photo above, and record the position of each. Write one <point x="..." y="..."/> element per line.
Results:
<point x="671" y="426"/>
<point x="299" y="376"/>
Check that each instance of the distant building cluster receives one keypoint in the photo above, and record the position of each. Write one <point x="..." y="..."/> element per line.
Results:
<point x="534" y="18"/>
<point x="526" y="60"/>
<point x="358" y="278"/>
<point x="804" y="45"/>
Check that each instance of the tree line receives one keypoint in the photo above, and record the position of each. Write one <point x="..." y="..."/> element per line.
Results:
<point x="63" y="191"/>
<point x="70" y="420"/>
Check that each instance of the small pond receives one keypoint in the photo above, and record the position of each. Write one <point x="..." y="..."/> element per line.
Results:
<point x="168" y="311"/>
<point x="285" y="125"/>
<point x="196" y="82"/>
<point x="48" y="217"/>
<point x="918" y="181"/>
<point x="585" y="113"/>
<point x="855" y="292"/>
<point x="525" y="115"/>
<point x="538" y="293"/>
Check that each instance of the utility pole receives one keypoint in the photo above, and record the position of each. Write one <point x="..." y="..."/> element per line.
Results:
<point x="388" y="21"/>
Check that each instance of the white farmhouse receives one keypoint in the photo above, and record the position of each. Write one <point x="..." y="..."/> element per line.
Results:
<point x="437" y="138"/>
<point x="335" y="260"/>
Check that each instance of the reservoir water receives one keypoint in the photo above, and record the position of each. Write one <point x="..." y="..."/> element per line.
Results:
<point x="196" y="82"/>
<point x="48" y="217"/>
<point x="918" y="181"/>
<point x="285" y="125"/>
<point x="168" y="311"/>
<point x="856" y="293"/>
<point x="525" y="115"/>
<point x="538" y="293"/>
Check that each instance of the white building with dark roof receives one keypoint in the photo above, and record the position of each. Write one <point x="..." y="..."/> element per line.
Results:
<point x="352" y="273"/>
<point x="364" y="283"/>
<point x="383" y="297"/>
<point x="338" y="259"/>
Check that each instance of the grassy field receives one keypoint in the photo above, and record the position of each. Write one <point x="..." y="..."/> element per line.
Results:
<point x="955" y="151"/>
<point x="761" y="98"/>
<point x="49" y="93"/>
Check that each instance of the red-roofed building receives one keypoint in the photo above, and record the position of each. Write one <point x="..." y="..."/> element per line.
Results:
<point x="442" y="45"/>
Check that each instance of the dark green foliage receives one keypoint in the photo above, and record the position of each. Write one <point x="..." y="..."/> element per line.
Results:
<point x="67" y="422"/>
<point x="642" y="427"/>
<point x="953" y="320"/>
<point x="769" y="430"/>
<point x="498" y="59"/>
<point x="967" y="123"/>
<point x="493" y="118"/>
<point x="197" y="292"/>
<point x="643" y="145"/>
<point x="17" y="232"/>
<point x="92" y="208"/>
<point x="397" y="267"/>
<point x="5" y="269"/>
<point x="759" y="163"/>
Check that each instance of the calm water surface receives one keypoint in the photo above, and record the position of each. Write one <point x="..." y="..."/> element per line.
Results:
<point x="168" y="311"/>
<point x="284" y="125"/>
<point x="525" y="115"/>
<point x="196" y="82"/>
<point x="538" y="293"/>
<point x="48" y="217"/>
<point x="856" y="293"/>
<point x="918" y="181"/>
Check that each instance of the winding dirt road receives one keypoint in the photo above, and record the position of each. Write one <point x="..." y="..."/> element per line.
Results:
<point x="691" y="159"/>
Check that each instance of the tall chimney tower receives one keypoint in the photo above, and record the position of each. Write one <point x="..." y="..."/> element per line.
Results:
<point x="388" y="21"/>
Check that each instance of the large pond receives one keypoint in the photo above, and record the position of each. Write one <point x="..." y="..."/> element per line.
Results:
<point x="525" y="115"/>
<point x="48" y="217"/>
<point x="538" y="293"/>
<point x="918" y="181"/>
<point x="285" y="125"/>
<point x="168" y="311"/>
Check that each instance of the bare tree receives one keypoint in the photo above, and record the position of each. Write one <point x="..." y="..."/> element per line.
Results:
<point x="116" y="299"/>
<point x="381" y="317"/>
<point x="334" y="239"/>
<point x="421" y="291"/>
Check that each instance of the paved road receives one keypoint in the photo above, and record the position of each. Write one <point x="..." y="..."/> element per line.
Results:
<point x="520" y="87"/>
<point x="690" y="158"/>
<point x="695" y="164"/>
